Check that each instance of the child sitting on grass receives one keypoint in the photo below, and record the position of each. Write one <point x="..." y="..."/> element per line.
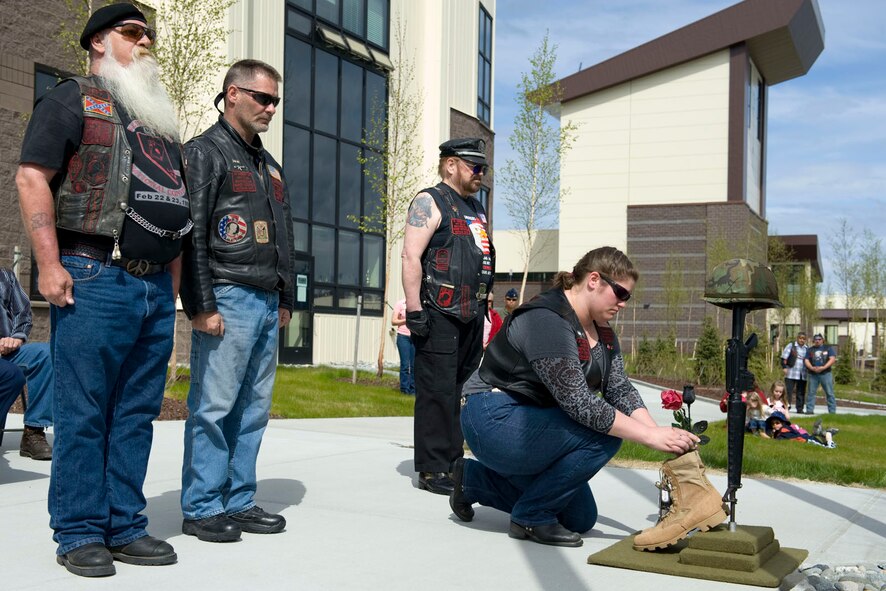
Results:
<point x="777" y="400"/>
<point x="779" y="427"/>
<point x="755" y="419"/>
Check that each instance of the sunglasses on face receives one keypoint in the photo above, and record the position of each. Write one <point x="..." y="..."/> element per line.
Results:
<point x="262" y="98"/>
<point x="134" y="32"/>
<point x="476" y="168"/>
<point x="620" y="292"/>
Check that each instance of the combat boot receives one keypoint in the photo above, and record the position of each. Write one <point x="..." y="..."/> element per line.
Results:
<point x="696" y="504"/>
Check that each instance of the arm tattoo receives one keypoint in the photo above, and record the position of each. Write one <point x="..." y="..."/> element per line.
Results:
<point x="419" y="212"/>
<point x="40" y="220"/>
<point x="566" y="381"/>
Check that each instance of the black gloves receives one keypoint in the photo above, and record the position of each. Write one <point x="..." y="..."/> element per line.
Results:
<point x="418" y="323"/>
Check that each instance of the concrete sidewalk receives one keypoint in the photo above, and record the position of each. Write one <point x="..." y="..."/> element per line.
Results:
<point x="357" y="521"/>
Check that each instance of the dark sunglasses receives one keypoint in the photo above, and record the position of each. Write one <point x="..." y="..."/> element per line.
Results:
<point x="620" y="292"/>
<point x="134" y="32"/>
<point x="262" y="98"/>
<point x="476" y="168"/>
<point x="511" y="299"/>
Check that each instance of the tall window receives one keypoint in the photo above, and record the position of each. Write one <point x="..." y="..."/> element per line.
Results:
<point x="484" y="68"/>
<point x="328" y="101"/>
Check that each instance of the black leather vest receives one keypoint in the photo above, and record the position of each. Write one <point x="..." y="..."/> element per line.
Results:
<point x="506" y="368"/>
<point x="460" y="260"/>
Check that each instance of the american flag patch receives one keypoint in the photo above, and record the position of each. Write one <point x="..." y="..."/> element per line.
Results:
<point x="97" y="106"/>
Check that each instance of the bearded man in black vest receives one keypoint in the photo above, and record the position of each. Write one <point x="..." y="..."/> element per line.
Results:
<point x="448" y="267"/>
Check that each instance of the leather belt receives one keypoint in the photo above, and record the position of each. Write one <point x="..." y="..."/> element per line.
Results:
<point x="135" y="267"/>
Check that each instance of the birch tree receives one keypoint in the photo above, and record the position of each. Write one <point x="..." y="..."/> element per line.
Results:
<point x="530" y="182"/>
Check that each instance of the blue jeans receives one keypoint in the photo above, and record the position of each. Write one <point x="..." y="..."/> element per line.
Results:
<point x="34" y="361"/>
<point x="232" y="378"/>
<point x="407" y="363"/>
<point x="827" y="384"/>
<point x="11" y="383"/>
<point x="534" y="462"/>
<point x="109" y="352"/>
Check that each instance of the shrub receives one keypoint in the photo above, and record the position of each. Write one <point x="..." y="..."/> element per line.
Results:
<point x="844" y="373"/>
<point x="710" y="355"/>
<point x="879" y="382"/>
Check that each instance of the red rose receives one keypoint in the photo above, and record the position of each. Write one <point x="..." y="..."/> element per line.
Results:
<point x="671" y="400"/>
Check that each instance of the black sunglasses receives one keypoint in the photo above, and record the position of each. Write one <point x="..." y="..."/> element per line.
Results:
<point x="134" y="32"/>
<point x="476" y="168"/>
<point x="620" y="292"/>
<point x="262" y="98"/>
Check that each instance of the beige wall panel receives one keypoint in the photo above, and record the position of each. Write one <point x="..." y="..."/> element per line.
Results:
<point x="334" y="339"/>
<point x="509" y="251"/>
<point x="691" y="133"/>
<point x="683" y="193"/>
<point x="701" y="161"/>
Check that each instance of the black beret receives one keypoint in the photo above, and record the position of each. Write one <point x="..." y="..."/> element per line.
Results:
<point x="108" y="16"/>
<point x="472" y="149"/>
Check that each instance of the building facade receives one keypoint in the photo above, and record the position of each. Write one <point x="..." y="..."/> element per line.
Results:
<point x="336" y="58"/>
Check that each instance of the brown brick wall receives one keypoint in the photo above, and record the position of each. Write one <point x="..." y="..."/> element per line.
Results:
<point x="684" y="236"/>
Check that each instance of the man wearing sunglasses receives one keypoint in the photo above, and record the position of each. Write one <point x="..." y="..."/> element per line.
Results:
<point x="238" y="291"/>
<point x="448" y="265"/>
<point x="105" y="206"/>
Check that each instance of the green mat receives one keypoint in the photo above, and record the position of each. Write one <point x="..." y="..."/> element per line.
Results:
<point x="749" y="556"/>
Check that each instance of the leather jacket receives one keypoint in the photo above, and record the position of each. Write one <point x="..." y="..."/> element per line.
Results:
<point x="242" y="222"/>
<point x="92" y="197"/>
<point x="505" y="367"/>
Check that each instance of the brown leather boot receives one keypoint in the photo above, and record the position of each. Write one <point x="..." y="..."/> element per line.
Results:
<point x="696" y="504"/>
<point x="34" y="444"/>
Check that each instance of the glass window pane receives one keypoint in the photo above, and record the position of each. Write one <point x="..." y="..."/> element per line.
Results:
<point x="377" y="23"/>
<point x="481" y="40"/>
<point x="300" y="235"/>
<point x="376" y="106"/>
<point x="489" y="37"/>
<point x="298" y="22"/>
<point x="328" y="9"/>
<point x="43" y="83"/>
<point x="325" y="180"/>
<point x="296" y="167"/>
<point x="372" y="201"/>
<point x="351" y="101"/>
<point x="348" y="258"/>
<point x="347" y="298"/>
<point x="372" y="302"/>
<point x="297" y="89"/>
<point x="373" y="255"/>
<point x="323" y="297"/>
<point x="325" y="91"/>
<point x="323" y="248"/>
<point x="352" y="16"/>
<point x="349" y="194"/>
<point x="306" y="4"/>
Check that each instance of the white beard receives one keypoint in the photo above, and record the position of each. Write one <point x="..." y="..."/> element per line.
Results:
<point x="137" y="88"/>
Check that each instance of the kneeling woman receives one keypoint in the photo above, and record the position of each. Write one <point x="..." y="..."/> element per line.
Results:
<point x="550" y="405"/>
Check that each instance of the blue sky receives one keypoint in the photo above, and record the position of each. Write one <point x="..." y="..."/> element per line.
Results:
<point x="827" y="130"/>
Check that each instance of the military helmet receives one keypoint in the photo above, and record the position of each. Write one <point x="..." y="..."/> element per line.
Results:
<point x="742" y="282"/>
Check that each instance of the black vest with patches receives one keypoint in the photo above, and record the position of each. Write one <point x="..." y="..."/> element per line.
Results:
<point x="457" y="273"/>
<point x="506" y="368"/>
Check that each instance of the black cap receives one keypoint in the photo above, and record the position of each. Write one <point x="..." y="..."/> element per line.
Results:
<point x="108" y="16"/>
<point x="472" y="149"/>
<point x="817" y="336"/>
<point x="512" y="293"/>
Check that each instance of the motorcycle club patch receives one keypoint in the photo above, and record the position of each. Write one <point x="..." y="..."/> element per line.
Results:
<point x="232" y="228"/>
<point x="460" y="227"/>
<point x="278" y="189"/>
<point x="97" y="132"/>
<point x="445" y="295"/>
<point x="261" y="232"/>
<point x="441" y="259"/>
<point x="242" y="181"/>
<point x="97" y="106"/>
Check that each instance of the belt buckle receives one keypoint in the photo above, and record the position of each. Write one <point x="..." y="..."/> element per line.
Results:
<point x="137" y="267"/>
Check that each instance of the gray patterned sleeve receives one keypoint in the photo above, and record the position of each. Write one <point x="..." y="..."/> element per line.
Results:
<point x="620" y="392"/>
<point x="566" y="381"/>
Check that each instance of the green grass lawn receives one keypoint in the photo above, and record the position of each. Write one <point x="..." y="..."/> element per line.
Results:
<point x="324" y="392"/>
<point x="859" y="459"/>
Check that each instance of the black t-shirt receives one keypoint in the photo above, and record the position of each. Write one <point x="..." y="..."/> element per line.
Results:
<point x="156" y="191"/>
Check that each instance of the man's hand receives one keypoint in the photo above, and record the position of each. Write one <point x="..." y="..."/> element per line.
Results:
<point x="285" y="316"/>
<point x="418" y="323"/>
<point x="10" y="345"/>
<point x="210" y="323"/>
<point x="55" y="284"/>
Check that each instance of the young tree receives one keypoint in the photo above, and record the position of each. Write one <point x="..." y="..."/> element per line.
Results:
<point x="674" y="294"/>
<point x="530" y="183"/>
<point x="392" y="160"/>
<point x="190" y="51"/>
<point x="710" y="358"/>
<point x="69" y="33"/>
<point x="872" y="268"/>
<point x="847" y="268"/>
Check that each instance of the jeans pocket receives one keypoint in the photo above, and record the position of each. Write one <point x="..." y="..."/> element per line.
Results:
<point x="221" y="289"/>
<point x="81" y="268"/>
